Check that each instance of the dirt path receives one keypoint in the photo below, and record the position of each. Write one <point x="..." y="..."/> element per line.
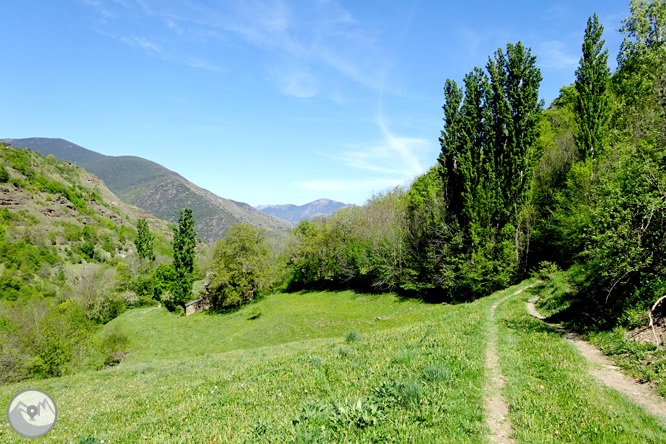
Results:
<point x="602" y="369"/>
<point x="498" y="412"/>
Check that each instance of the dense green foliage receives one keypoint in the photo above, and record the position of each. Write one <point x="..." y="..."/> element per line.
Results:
<point x="144" y="240"/>
<point x="582" y="181"/>
<point x="592" y="109"/>
<point x="66" y="267"/>
<point x="241" y="266"/>
<point x="184" y="244"/>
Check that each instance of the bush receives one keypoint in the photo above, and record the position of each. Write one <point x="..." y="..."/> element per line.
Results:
<point x="115" y="339"/>
<point x="4" y="175"/>
<point x="546" y="271"/>
<point x="65" y="341"/>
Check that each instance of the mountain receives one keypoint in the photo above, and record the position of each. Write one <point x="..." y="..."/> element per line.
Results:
<point x="297" y="213"/>
<point x="58" y="212"/>
<point x="156" y="189"/>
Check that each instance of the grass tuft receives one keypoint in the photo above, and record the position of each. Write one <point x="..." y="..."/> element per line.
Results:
<point x="352" y="336"/>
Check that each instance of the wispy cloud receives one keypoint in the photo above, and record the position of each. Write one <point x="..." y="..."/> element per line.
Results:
<point x="399" y="156"/>
<point x="157" y="50"/>
<point x="557" y="55"/>
<point x="391" y="161"/>
<point x="302" y="41"/>
<point x="100" y="7"/>
<point x="296" y="81"/>
<point x="143" y="43"/>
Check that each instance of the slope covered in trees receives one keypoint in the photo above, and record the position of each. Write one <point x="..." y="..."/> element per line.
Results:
<point x="518" y="188"/>
<point x="156" y="189"/>
<point x="72" y="257"/>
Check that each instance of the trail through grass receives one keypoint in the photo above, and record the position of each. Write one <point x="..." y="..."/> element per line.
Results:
<point x="552" y="397"/>
<point x="418" y="380"/>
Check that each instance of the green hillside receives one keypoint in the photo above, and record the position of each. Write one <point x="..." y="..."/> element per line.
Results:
<point x="420" y="380"/>
<point x="68" y="263"/>
<point x="276" y="319"/>
<point x="156" y="189"/>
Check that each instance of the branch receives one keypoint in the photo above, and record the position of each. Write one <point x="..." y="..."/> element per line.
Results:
<point x="651" y="320"/>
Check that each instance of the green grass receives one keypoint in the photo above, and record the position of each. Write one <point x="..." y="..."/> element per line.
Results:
<point x="155" y="334"/>
<point x="416" y="377"/>
<point x="560" y="299"/>
<point x="550" y="394"/>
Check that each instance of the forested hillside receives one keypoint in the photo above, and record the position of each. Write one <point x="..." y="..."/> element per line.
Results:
<point x="68" y="263"/>
<point x="156" y="189"/>
<point x="518" y="189"/>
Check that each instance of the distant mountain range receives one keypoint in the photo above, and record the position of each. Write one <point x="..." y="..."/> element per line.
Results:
<point x="297" y="213"/>
<point x="156" y="189"/>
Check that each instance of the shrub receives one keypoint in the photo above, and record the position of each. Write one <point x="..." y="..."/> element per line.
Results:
<point x="65" y="340"/>
<point x="115" y="339"/>
<point x="546" y="271"/>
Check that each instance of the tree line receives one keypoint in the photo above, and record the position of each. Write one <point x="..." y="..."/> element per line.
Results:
<point x="517" y="188"/>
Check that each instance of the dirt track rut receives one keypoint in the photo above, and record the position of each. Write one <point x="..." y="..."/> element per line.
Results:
<point x="603" y="369"/>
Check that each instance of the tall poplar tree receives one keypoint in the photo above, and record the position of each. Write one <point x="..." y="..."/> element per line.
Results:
<point x="592" y="107"/>
<point x="489" y="139"/>
<point x="489" y="151"/>
<point x="516" y="110"/>
<point x="184" y="244"/>
<point x="144" y="241"/>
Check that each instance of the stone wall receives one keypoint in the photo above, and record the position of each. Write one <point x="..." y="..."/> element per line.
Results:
<point x="202" y="304"/>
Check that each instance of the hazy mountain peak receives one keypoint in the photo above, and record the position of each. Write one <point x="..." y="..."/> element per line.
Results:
<point x="297" y="213"/>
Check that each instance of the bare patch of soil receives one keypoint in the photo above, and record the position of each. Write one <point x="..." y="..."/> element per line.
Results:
<point x="498" y="412"/>
<point x="647" y="334"/>
<point x="606" y="372"/>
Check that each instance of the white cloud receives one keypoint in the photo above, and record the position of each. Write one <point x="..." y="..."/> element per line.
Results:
<point x="143" y="43"/>
<point x="296" y="81"/>
<point x="392" y="161"/>
<point x="316" y="37"/>
<point x="557" y="55"/>
<point x="396" y="155"/>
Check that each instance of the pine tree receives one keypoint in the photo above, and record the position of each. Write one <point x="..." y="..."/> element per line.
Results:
<point x="184" y="243"/>
<point x="144" y="241"/>
<point x="592" y="108"/>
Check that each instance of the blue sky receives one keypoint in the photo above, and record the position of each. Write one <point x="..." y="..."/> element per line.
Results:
<point x="271" y="101"/>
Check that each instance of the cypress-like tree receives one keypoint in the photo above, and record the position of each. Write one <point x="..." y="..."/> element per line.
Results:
<point x="184" y="243"/>
<point x="489" y="139"/>
<point x="489" y="151"/>
<point x="144" y="241"/>
<point x="516" y="110"/>
<point x="592" y="108"/>
<point x="448" y="140"/>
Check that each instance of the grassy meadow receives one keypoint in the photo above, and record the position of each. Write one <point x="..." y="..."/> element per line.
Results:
<point x="417" y="376"/>
<point x="319" y="368"/>
<point x="155" y="334"/>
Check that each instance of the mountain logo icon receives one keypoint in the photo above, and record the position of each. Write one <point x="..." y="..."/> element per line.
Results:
<point x="32" y="413"/>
